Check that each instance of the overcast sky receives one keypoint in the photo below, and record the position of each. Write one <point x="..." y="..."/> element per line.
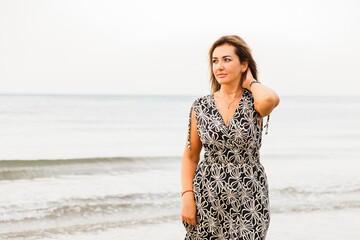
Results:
<point x="160" y="47"/>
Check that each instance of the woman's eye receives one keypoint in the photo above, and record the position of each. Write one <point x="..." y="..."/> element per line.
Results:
<point x="214" y="61"/>
<point x="227" y="59"/>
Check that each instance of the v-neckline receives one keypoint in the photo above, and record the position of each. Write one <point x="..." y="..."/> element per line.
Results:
<point x="217" y="109"/>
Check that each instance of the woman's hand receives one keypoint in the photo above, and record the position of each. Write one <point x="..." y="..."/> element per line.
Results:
<point x="248" y="78"/>
<point x="188" y="212"/>
<point x="265" y="99"/>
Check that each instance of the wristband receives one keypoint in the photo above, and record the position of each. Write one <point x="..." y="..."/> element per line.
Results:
<point x="255" y="81"/>
<point x="182" y="193"/>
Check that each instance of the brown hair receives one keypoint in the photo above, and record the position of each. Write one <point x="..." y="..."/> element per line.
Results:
<point x="241" y="50"/>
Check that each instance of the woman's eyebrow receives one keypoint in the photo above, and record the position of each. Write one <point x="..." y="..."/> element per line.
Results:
<point x="222" y="57"/>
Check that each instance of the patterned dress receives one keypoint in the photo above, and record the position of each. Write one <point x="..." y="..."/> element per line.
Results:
<point x="230" y="185"/>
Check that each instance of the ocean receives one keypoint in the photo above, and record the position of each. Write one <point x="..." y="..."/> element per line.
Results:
<point x="108" y="167"/>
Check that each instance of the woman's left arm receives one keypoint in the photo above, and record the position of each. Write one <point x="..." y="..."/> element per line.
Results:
<point x="265" y="99"/>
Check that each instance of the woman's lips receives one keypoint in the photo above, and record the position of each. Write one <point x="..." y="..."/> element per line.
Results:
<point x="221" y="75"/>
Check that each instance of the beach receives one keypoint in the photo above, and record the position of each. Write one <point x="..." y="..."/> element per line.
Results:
<point x="108" y="167"/>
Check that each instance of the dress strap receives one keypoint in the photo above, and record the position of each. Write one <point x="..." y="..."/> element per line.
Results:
<point x="189" y="127"/>
<point x="267" y="125"/>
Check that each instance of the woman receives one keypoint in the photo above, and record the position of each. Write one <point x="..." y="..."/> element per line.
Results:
<point x="225" y="196"/>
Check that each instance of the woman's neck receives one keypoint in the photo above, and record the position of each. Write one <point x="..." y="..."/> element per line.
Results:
<point x="230" y="92"/>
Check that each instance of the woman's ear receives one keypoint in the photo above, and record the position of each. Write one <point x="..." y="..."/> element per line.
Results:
<point x="244" y="66"/>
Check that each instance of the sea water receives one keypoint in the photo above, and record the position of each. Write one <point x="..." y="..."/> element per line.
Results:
<point x="108" y="167"/>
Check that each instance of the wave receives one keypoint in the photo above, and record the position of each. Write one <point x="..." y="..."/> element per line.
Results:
<point x="290" y="199"/>
<point x="29" y="169"/>
<point x="54" y="162"/>
<point x="76" y="215"/>
<point x="281" y="201"/>
<point x="329" y="190"/>
<point x="87" y="207"/>
<point x="63" y="228"/>
<point x="316" y="206"/>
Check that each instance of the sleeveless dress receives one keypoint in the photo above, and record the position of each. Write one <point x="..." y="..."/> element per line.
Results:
<point x="230" y="185"/>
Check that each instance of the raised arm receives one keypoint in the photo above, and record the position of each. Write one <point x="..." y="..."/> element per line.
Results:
<point x="189" y="163"/>
<point x="265" y="99"/>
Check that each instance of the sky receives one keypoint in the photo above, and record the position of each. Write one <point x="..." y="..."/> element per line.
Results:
<point x="160" y="47"/>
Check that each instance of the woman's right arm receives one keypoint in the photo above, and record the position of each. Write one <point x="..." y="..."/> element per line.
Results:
<point x="189" y="163"/>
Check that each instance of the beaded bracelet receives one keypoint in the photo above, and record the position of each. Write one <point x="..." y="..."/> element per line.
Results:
<point x="182" y="193"/>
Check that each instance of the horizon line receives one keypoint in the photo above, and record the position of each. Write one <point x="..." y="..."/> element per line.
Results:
<point x="168" y="95"/>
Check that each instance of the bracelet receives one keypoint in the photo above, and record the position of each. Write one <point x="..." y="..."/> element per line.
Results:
<point x="182" y="193"/>
<point x="255" y="81"/>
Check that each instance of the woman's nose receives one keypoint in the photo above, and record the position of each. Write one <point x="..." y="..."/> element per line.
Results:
<point x="220" y="65"/>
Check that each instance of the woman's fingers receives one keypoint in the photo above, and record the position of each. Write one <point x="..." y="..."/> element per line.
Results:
<point x="192" y="221"/>
<point x="189" y="220"/>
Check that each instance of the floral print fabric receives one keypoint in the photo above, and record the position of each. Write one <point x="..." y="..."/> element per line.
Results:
<point x="230" y="184"/>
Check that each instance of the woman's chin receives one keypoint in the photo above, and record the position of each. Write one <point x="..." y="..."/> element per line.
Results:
<point x="223" y="81"/>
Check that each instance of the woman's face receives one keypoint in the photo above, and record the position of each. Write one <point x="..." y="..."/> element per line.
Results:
<point x="226" y="64"/>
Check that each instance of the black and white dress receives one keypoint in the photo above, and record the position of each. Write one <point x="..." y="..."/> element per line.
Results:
<point x="230" y="185"/>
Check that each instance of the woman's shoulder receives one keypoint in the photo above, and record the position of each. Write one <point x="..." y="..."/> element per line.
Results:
<point x="202" y="100"/>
